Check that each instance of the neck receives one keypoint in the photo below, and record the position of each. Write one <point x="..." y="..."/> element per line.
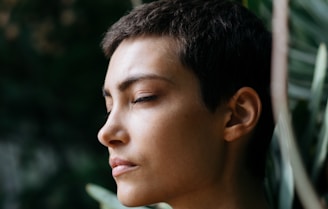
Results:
<point x="235" y="188"/>
<point x="244" y="193"/>
<point x="247" y="192"/>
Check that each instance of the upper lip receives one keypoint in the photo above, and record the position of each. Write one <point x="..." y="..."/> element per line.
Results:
<point x="114" y="162"/>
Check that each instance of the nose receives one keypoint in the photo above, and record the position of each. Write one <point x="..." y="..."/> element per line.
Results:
<point x="113" y="133"/>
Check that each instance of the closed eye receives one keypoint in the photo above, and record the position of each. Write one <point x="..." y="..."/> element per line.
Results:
<point x="145" y="99"/>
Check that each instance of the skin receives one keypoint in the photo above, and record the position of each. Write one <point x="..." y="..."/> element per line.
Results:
<point x="173" y="148"/>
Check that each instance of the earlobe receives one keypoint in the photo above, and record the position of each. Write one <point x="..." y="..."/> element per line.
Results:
<point x="244" y="112"/>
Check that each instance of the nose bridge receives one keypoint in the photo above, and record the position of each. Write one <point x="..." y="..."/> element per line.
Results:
<point x="113" y="132"/>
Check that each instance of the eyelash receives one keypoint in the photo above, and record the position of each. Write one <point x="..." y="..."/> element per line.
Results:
<point x="144" y="99"/>
<point x="138" y="100"/>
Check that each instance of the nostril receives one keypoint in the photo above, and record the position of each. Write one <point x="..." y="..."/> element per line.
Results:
<point x="112" y="136"/>
<point x="114" y="142"/>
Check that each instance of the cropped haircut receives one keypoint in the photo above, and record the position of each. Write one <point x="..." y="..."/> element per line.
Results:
<point x="222" y="43"/>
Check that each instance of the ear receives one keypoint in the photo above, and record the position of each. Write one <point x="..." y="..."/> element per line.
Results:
<point x="244" y="109"/>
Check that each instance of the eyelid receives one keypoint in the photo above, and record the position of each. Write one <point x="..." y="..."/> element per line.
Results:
<point x="145" y="98"/>
<point x="140" y="99"/>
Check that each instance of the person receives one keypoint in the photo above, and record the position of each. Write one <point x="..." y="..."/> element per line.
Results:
<point x="187" y="92"/>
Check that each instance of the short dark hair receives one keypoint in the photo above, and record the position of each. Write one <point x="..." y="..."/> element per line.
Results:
<point x="224" y="44"/>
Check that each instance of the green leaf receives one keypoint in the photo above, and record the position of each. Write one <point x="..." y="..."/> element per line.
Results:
<point x="321" y="152"/>
<point x="319" y="76"/>
<point x="316" y="97"/>
<point x="286" y="193"/>
<point x="286" y="186"/>
<point x="163" y="206"/>
<point x="317" y="88"/>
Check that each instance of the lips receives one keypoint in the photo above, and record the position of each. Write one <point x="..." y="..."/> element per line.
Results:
<point x="120" y="166"/>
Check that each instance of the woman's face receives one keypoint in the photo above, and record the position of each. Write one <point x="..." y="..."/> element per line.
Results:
<point x="164" y="144"/>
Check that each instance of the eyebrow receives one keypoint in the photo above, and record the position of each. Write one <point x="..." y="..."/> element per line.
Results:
<point x="134" y="79"/>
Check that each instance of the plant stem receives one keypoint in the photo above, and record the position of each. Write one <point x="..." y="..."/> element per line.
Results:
<point x="280" y="105"/>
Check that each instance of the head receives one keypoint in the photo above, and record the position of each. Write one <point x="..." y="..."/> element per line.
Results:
<point x="221" y="42"/>
<point x="223" y="47"/>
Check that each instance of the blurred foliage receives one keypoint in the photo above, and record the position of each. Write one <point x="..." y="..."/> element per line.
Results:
<point x="307" y="91"/>
<point x="281" y="175"/>
<point x="51" y="106"/>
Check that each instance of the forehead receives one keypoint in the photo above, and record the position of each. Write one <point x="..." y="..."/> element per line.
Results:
<point x="144" y="55"/>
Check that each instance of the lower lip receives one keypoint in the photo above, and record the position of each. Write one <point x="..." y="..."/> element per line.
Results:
<point x="122" y="169"/>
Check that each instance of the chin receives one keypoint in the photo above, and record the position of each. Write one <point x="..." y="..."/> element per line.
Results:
<point x="132" y="201"/>
<point x="130" y="197"/>
<point x="133" y="197"/>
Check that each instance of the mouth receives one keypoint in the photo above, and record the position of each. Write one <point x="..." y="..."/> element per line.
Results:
<point x="120" y="166"/>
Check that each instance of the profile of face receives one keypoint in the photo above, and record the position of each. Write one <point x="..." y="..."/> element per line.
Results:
<point x="163" y="141"/>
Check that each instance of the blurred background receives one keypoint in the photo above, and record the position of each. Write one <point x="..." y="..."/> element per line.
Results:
<point x="51" y="106"/>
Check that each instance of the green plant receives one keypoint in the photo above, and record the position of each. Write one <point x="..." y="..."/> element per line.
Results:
<point x="307" y="104"/>
<point x="281" y="176"/>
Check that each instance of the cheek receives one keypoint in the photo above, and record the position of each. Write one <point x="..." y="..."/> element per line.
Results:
<point x="175" y="132"/>
<point x="172" y="149"/>
<point x="160" y="127"/>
